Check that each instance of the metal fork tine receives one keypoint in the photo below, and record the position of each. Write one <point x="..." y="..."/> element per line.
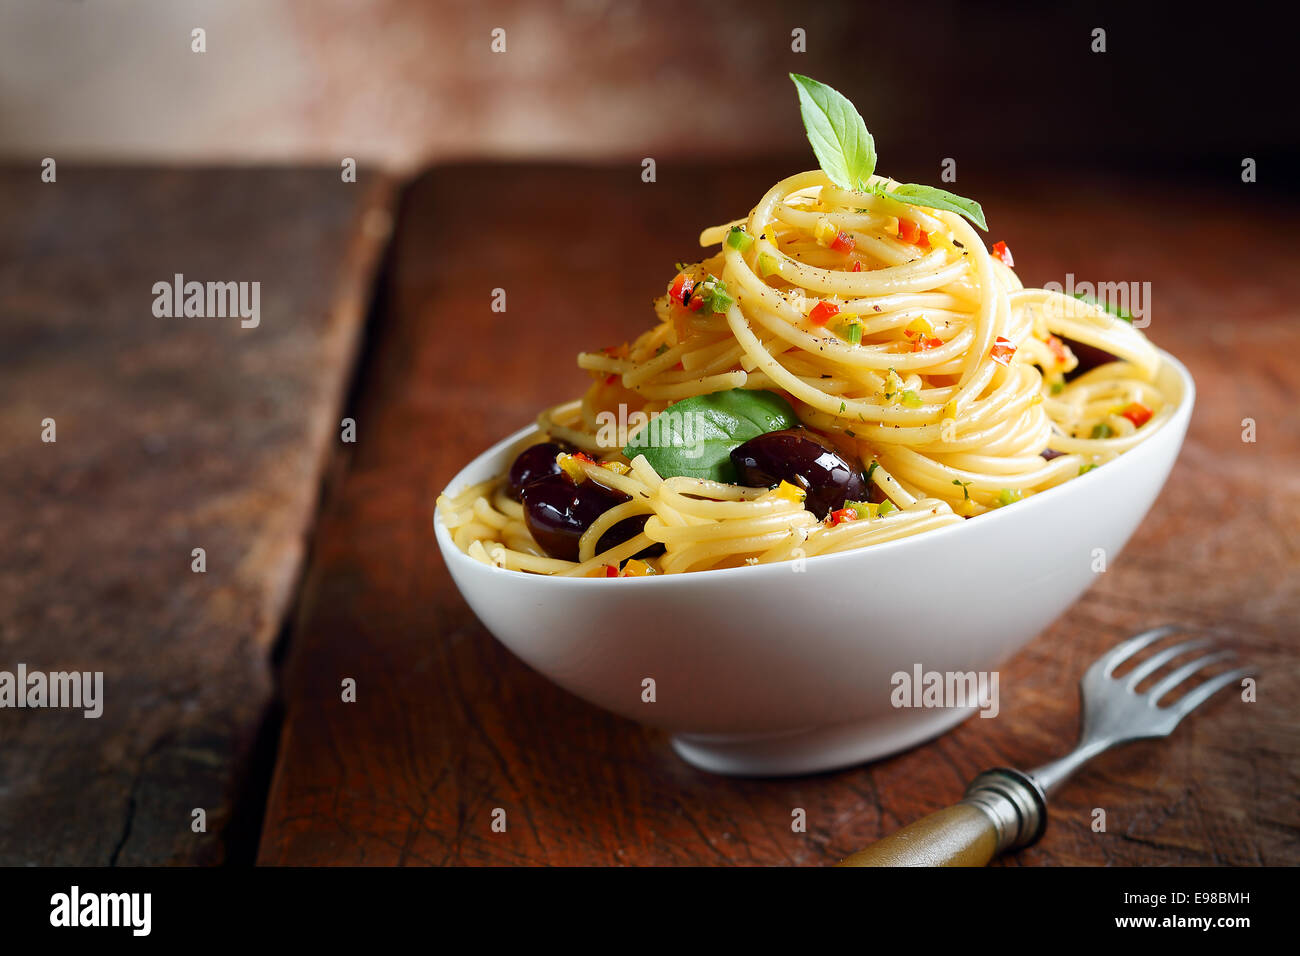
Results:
<point x="1114" y="712"/>
<point x="1188" y="703"/>
<point x="1187" y="670"/>
<point x="1149" y="667"/>
<point x="1107" y="663"/>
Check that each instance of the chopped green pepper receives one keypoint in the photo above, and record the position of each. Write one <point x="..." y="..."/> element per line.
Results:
<point x="737" y="238"/>
<point x="865" y="509"/>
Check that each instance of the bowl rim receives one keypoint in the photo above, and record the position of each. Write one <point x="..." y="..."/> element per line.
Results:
<point x="451" y="552"/>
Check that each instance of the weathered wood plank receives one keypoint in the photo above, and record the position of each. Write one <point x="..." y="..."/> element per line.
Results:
<point x="172" y="434"/>
<point x="448" y="725"/>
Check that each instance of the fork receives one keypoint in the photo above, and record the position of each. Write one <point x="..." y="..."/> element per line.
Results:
<point x="1005" y="809"/>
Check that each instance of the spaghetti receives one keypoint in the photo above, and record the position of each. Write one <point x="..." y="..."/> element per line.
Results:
<point x="902" y="341"/>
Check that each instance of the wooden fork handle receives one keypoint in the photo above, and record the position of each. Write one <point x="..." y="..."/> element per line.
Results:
<point x="1003" y="809"/>
<point x="960" y="835"/>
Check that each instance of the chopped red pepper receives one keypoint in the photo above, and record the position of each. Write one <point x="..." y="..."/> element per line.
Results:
<point x="843" y="242"/>
<point x="822" y="313"/>
<point x="681" y="288"/>
<point x="857" y="267"/>
<point x="926" y="342"/>
<point x="909" y="231"/>
<point x="583" y="456"/>
<point x="611" y="571"/>
<point x="611" y="379"/>
<point x="1137" y="413"/>
<point x="1058" y="349"/>
<point x="924" y="241"/>
<point x="1001" y="251"/>
<point x="841" y="516"/>
<point x="1002" y="351"/>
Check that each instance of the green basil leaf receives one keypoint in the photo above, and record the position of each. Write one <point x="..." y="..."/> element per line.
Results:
<point x="839" y="137"/>
<point x="914" y="194"/>
<point x="1113" y="309"/>
<point x="694" y="437"/>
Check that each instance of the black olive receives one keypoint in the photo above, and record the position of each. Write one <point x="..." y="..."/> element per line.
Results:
<point x="798" y="456"/>
<point x="558" y="511"/>
<point x="1089" y="357"/>
<point x="1047" y="454"/>
<point x="626" y="530"/>
<point x="535" y="461"/>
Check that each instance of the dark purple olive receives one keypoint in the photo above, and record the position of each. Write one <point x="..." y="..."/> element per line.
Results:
<point x="798" y="456"/>
<point x="557" y="512"/>
<point x="626" y="530"/>
<point x="1089" y="357"/>
<point x="535" y="461"/>
<point x="1047" y="454"/>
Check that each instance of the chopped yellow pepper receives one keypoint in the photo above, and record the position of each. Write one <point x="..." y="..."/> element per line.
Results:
<point x="571" y="466"/>
<point x="791" y="492"/>
<point x="825" y="232"/>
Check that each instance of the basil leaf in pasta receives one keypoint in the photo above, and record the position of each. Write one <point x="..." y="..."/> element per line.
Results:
<point x="914" y="194"/>
<point x="694" y="437"/>
<point x="1111" y="307"/>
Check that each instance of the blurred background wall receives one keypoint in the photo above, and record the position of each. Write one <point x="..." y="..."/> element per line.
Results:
<point x="407" y="82"/>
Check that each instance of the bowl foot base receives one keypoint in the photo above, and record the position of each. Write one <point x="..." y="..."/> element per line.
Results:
<point x="813" y="750"/>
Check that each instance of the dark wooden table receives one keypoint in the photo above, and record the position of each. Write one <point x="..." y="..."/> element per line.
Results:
<point x="174" y="434"/>
<point x="448" y="726"/>
<point x="171" y="434"/>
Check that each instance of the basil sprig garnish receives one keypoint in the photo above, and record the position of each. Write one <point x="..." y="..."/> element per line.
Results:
<point x="695" y="437"/>
<point x="846" y="152"/>
<point x="839" y="137"/>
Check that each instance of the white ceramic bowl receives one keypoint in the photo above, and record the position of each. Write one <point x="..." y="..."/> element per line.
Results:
<point x="767" y="670"/>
